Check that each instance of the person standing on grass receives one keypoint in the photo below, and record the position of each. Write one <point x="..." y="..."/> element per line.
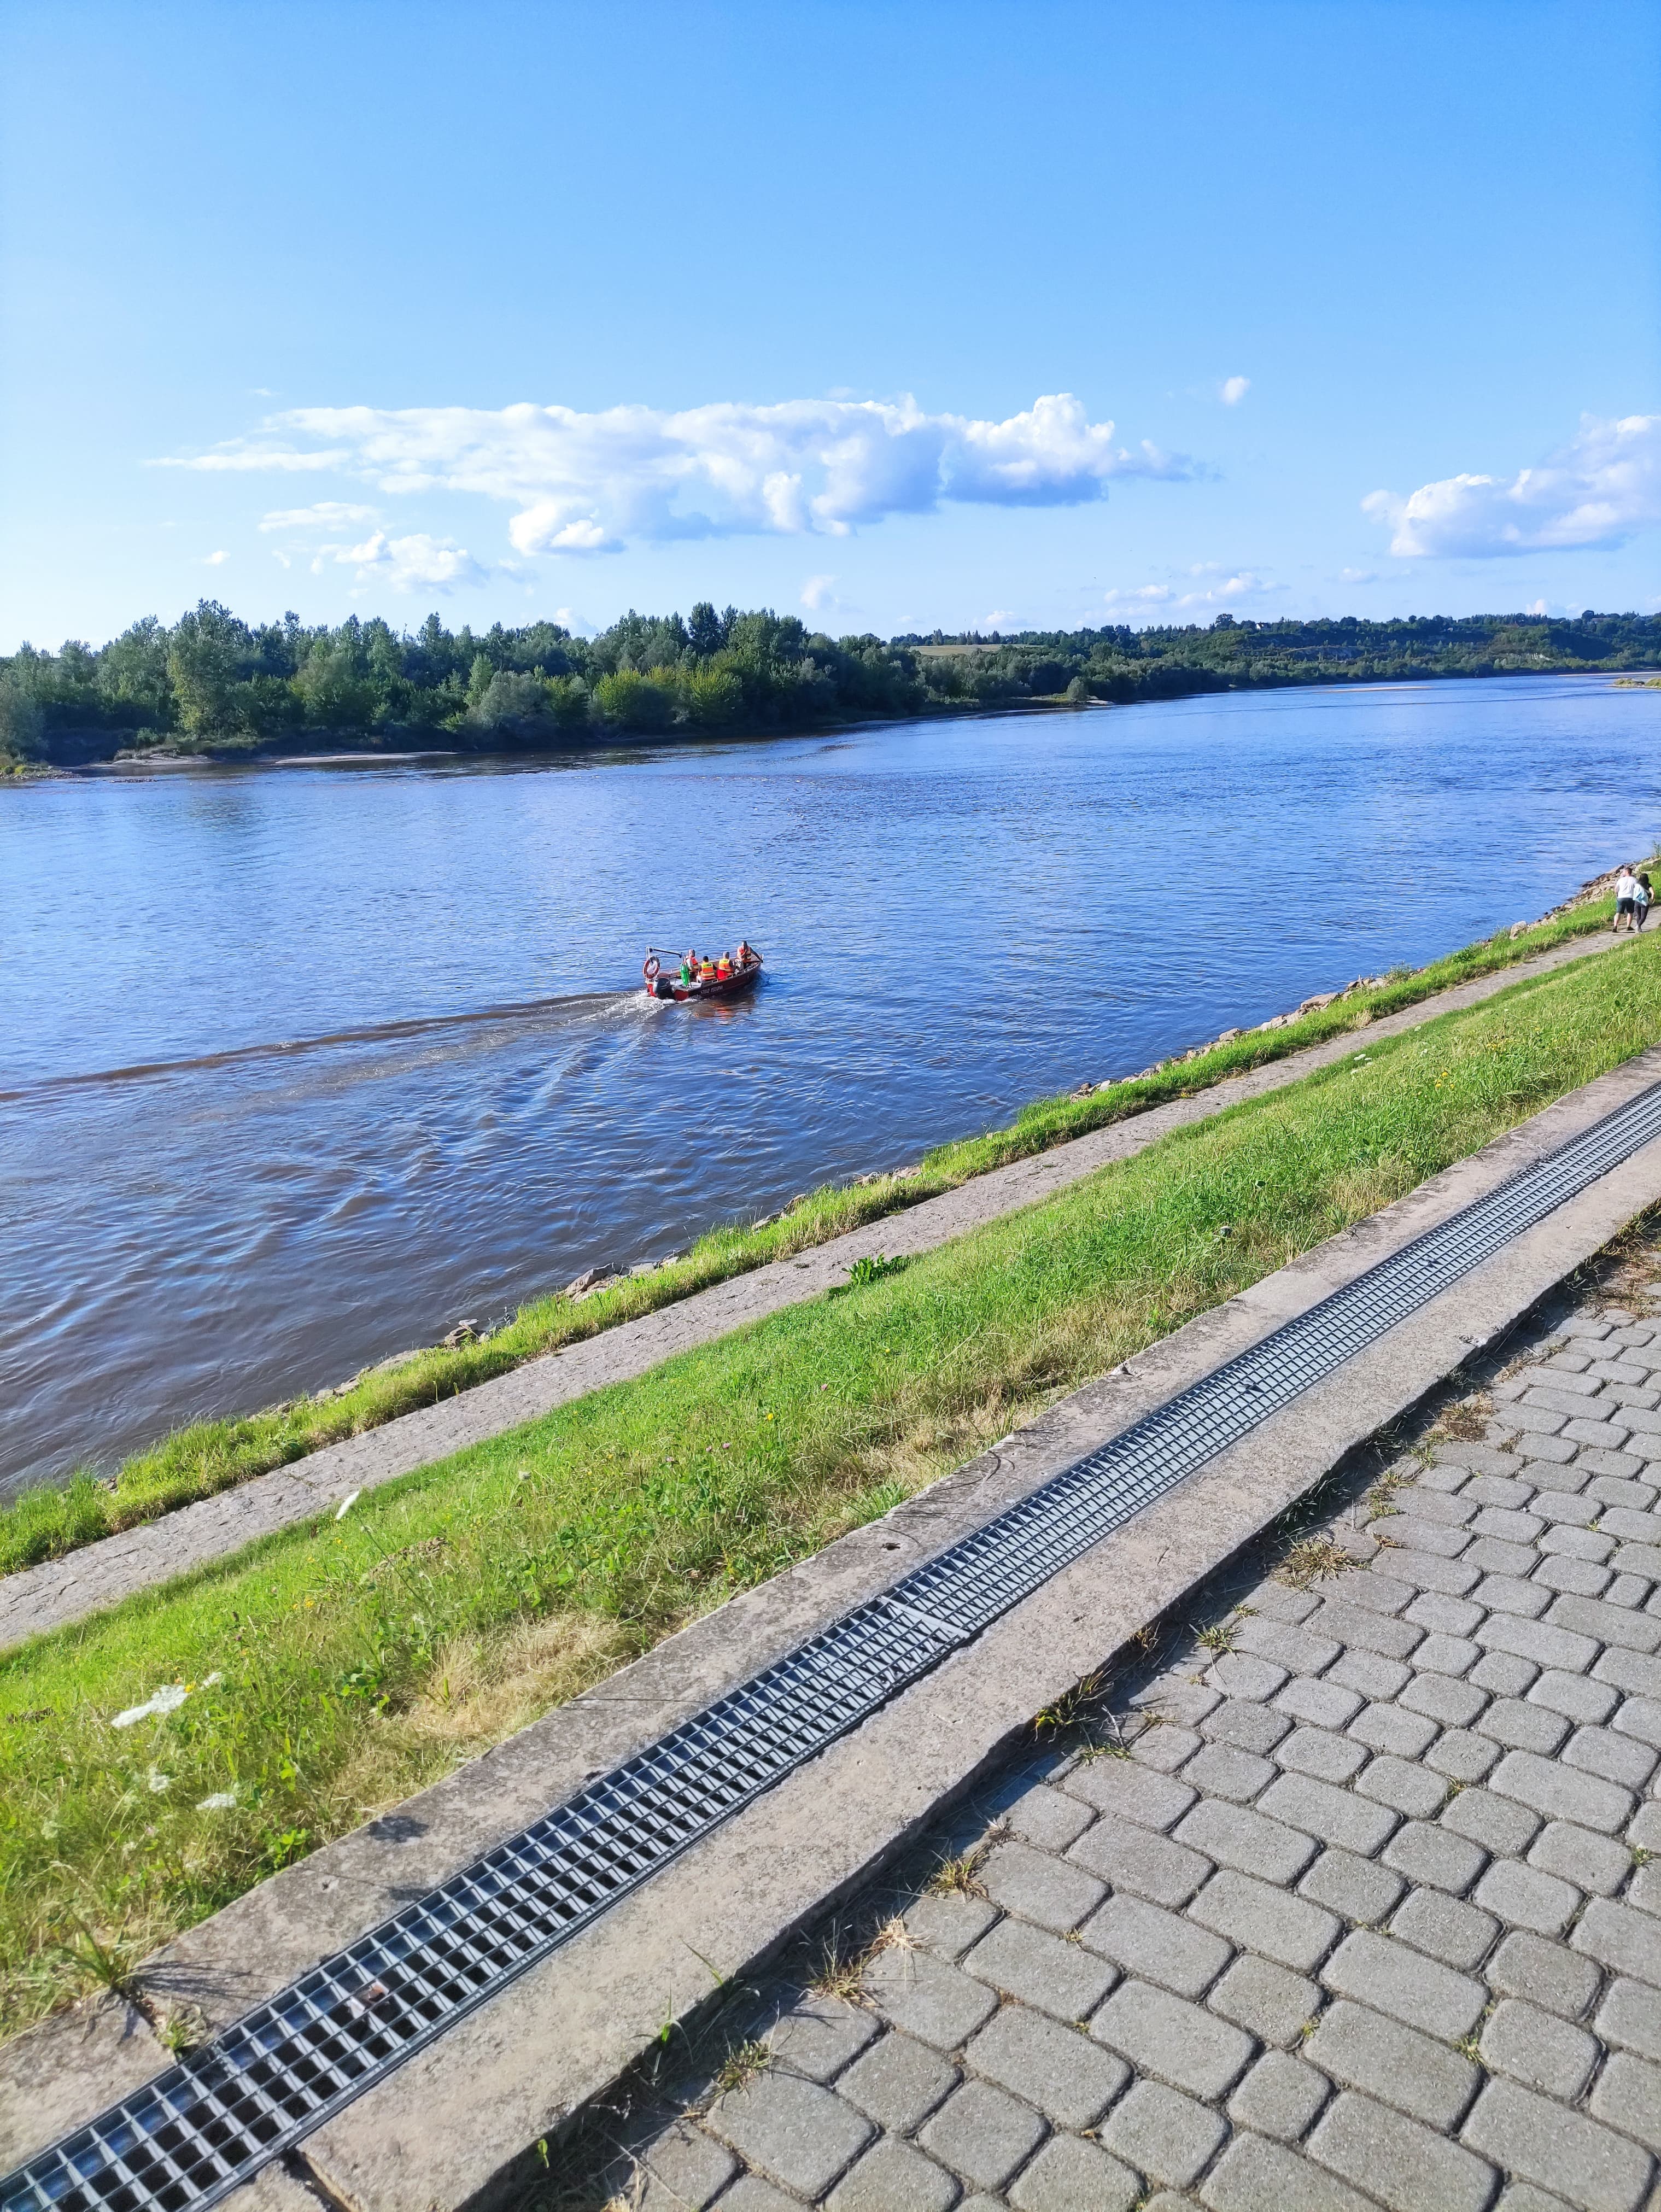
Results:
<point x="1645" y="897"/>
<point x="1626" y="899"/>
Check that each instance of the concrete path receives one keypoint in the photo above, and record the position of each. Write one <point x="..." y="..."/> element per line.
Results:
<point x="60" y="1591"/>
<point x="1352" y="1908"/>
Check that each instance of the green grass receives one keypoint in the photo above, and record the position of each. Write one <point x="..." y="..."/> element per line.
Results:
<point x="337" y="1668"/>
<point x="213" y="1455"/>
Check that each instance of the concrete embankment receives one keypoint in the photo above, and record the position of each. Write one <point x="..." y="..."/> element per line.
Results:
<point x="457" y="2120"/>
<point x="60" y="1591"/>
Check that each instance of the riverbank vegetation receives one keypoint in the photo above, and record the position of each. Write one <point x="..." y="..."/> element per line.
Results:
<point x="216" y="685"/>
<point x="1126" y="665"/>
<point x="212" y="1455"/>
<point x="159" y="1760"/>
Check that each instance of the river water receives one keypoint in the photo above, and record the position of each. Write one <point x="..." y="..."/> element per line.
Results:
<point x="300" y="1064"/>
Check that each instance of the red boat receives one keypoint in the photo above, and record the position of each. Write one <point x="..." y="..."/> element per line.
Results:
<point x="725" y="975"/>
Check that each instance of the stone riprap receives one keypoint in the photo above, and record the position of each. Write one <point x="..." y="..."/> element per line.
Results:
<point x="1346" y="1903"/>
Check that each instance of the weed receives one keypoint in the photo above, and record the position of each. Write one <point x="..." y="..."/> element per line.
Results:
<point x="1470" y="2046"/>
<point x="741" y="2067"/>
<point x="108" y="1962"/>
<point x="1055" y="1719"/>
<point x="840" y="1974"/>
<point x="182" y="2029"/>
<point x="959" y="1876"/>
<point x="871" y="1269"/>
<point x="1465" y="1422"/>
<point x="1218" y="1636"/>
<point x="1312" y="1557"/>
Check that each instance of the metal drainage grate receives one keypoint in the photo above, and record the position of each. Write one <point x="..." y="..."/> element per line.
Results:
<point x="213" y="2119"/>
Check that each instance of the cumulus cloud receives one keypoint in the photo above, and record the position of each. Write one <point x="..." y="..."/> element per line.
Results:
<point x="321" y="536"/>
<point x="1233" y="389"/>
<point x="1207" y="584"/>
<point x="819" y="592"/>
<point x="217" y="560"/>
<point x="1599" y="490"/>
<point x="591" y="483"/>
<point x="405" y="563"/>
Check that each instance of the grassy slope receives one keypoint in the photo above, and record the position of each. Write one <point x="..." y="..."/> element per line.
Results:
<point x="355" y="1661"/>
<point x="213" y="1455"/>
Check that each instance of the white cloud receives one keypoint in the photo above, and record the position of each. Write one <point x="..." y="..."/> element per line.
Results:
<point x="999" y="619"/>
<point x="216" y="560"/>
<point x="1211" y="585"/>
<point x="1143" y="597"/>
<point x="404" y="563"/>
<point x="327" y="514"/>
<point x="819" y="592"/>
<point x="1358" y="576"/>
<point x="1599" y="490"/>
<point x="1233" y="389"/>
<point x="588" y="483"/>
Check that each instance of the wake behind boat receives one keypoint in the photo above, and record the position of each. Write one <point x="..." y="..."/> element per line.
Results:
<point x="701" y="975"/>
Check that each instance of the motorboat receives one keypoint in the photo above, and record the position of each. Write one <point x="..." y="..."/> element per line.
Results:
<point x="720" y="975"/>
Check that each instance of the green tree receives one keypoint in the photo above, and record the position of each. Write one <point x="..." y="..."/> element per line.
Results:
<point x="21" y="723"/>
<point x="568" y="702"/>
<point x="332" y="691"/>
<point x="480" y="677"/>
<point x="132" y="673"/>
<point x="206" y="660"/>
<point x="706" y="633"/>
<point x="633" y="701"/>
<point x="511" y="702"/>
<point x="714" y="697"/>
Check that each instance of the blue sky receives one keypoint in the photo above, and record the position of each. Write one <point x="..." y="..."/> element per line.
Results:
<point x="511" y="310"/>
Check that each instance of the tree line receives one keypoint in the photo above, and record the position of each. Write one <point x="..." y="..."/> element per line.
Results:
<point x="215" y="684"/>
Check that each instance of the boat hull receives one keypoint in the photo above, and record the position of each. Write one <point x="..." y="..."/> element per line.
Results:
<point x="713" y="987"/>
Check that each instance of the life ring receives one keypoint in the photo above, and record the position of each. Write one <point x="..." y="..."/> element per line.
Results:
<point x="653" y="967"/>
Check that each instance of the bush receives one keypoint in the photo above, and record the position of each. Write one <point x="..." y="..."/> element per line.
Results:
<point x="633" y="701"/>
<point x="714" y="697"/>
<point x="568" y="702"/>
<point x="512" y="702"/>
<point x="21" y="723"/>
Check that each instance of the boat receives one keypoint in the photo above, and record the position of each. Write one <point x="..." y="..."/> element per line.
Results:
<point x="722" y="976"/>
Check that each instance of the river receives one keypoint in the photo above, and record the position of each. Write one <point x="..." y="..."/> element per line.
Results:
<point x="260" y="1124"/>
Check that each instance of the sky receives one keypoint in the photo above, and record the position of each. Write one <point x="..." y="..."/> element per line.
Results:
<point x="901" y="317"/>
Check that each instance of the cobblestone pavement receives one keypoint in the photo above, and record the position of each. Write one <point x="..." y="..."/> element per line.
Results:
<point x="1346" y="1901"/>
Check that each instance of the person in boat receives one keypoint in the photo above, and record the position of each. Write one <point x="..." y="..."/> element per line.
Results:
<point x="744" y="958"/>
<point x="689" y="968"/>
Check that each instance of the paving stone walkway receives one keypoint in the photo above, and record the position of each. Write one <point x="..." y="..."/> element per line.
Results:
<point x="1346" y="1901"/>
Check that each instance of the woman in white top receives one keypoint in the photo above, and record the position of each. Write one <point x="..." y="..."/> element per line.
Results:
<point x="1626" y="899"/>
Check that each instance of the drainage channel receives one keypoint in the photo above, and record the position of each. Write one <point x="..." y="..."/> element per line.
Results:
<point x="214" y="2118"/>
